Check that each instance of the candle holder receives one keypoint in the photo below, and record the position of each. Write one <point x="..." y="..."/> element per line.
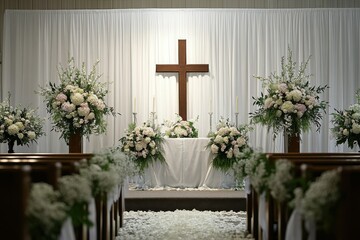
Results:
<point x="134" y="119"/>
<point x="210" y="116"/>
<point x="153" y="116"/>
<point x="236" y="119"/>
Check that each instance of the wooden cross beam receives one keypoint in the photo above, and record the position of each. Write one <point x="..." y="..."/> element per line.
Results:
<point x="182" y="69"/>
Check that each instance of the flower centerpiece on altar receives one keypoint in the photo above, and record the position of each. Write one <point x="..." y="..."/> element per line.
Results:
<point x="290" y="104"/>
<point x="143" y="143"/>
<point x="181" y="128"/>
<point x="77" y="105"/>
<point x="347" y="124"/>
<point x="227" y="143"/>
<point x="20" y="125"/>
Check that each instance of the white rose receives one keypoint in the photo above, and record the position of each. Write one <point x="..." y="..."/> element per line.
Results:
<point x="230" y="153"/>
<point x="296" y="95"/>
<point x="287" y="107"/>
<point x="77" y="98"/>
<point x="92" y="99"/>
<point x="218" y="139"/>
<point x="153" y="152"/>
<point x="214" y="149"/>
<point x="83" y="111"/>
<point x="90" y="116"/>
<point x="268" y="103"/>
<point x="241" y="141"/>
<point x="356" y="128"/>
<point x="152" y="144"/>
<point x="356" y="116"/>
<point x="345" y="132"/>
<point x="147" y="139"/>
<point x="138" y="146"/>
<point x="31" y="135"/>
<point x="8" y="121"/>
<point x="226" y="140"/>
<point x="20" y="125"/>
<point x="178" y="131"/>
<point x="20" y="135"/>
<point x="13" y="129"/>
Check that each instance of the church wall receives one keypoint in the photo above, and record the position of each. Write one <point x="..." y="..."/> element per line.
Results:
<point x="122" y="4"/>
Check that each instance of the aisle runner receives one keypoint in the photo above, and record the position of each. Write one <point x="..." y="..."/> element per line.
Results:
<point x="182" y="224"/>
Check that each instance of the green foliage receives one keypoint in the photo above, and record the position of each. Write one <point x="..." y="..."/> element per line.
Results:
<point x="290" y="103"/>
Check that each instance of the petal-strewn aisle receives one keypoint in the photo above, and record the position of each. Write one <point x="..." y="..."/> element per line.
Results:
<point x="182" y="224"/>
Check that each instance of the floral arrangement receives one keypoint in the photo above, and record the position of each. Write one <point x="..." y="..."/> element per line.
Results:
<point x="227" y="143"/>
<point x="77" y="104"/>
<point x="19" y="125"/>
<point x="318" y="201"/>
<point x="259" y="169"/>
<point x="347" y="124"/>
<point x="143" y="144"/>
<point x="282" y="182"/>
<point x="75" y="192"/>
<point x="290" y="103"/>
<point x="181" y="129"/>
<point x="256" y="166"/>
<point x="46" y="213"/>
<point x="107" y="170"/>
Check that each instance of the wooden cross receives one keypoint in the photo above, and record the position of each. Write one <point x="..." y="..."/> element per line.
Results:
<point x="182" y="69"/>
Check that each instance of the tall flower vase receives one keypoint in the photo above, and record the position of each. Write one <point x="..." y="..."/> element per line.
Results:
<point x="291" y="143"/>
<point x="11" y="144"/>
<point x="75" y="142"/>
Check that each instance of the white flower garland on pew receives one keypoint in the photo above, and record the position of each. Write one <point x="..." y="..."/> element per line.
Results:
<point x="49" y="208"/>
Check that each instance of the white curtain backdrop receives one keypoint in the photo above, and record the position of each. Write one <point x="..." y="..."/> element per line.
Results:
<point x="236" y="43"/>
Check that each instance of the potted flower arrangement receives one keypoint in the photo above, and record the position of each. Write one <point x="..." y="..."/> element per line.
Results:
<point x="181" y="129"/>
<point x="20" y="125"/>
<point x="77" y="105"/>
<point x="143" y="143"/>
<point x="290" y="104"/>
<point x="227" y="143"/>
<point x="347" y="124"/>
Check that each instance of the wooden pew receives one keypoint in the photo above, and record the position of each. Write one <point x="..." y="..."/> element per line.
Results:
<point x="46" y="168"/>
<point x="107" y="223"/>
<point x="324" y="159"/>
<point x="346" y="224"/>
<point x="15" y="188"/>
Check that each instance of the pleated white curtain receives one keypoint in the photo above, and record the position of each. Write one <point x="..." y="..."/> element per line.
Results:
<point x="236" y="43"/>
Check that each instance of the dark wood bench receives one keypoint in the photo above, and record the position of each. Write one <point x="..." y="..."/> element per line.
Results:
<point x="15" y="188"/>
<point x="324" y="159"/>
<point x="346" y="223"/>
<point x="107" y="223"/>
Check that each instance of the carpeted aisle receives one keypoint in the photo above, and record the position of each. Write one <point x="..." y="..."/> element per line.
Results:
<point x="184" y="225"/>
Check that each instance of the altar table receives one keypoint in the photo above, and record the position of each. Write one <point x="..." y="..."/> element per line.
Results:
<point x="188" y="165"/>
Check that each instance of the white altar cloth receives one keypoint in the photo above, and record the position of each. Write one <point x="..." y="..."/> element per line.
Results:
<point x="188" y="165"/>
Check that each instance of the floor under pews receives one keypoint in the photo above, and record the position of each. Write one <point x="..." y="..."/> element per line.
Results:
<point x="165" y="200"/>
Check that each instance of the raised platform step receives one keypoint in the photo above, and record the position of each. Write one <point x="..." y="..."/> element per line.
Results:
<point x="164" y="200"/>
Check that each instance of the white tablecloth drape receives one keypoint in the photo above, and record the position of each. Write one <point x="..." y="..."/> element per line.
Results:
<point x="188" y="165"/>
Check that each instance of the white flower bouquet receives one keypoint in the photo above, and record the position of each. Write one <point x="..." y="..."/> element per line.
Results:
<point x="75" y="192"/>
<point x="18" y="125"/>
<point x="77" y="104"/>
<point x="46" y="212"/>
<point x="107" y="170"/>
<point x="347" y="124"/>
<point x="290" y="103"/>
<point x="317" y="201"/>
<point x="227" y="143"/>
<point x="143" y="144"/>
<point x="282" y="182"/>
<point x="181" y="129"/>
